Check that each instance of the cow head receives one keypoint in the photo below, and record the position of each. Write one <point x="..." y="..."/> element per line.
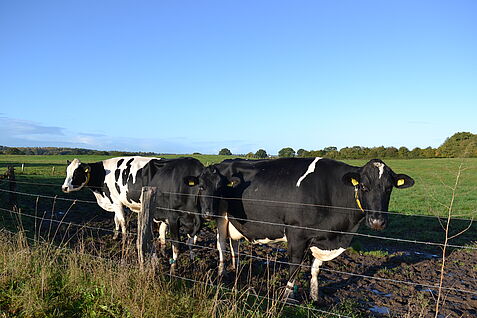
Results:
<point x="373" y="185"/>
<point x="77" y="176"/>
<point x="213" y="186"/>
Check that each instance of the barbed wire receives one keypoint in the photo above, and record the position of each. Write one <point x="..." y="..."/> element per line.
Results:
<point x="272" y="223"/>
<point x="265" y="201"/>
<point x="193" y="280"/>
<point x="246" y="255"/>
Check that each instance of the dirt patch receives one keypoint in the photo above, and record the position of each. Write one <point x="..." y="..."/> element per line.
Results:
<point x="401" y="283"/>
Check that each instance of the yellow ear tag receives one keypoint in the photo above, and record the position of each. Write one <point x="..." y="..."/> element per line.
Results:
<point x="191" y="183"/>
<point x="230" y="184"/>
<point x="354" y="182"/>
<point x="400" y="182"/>
<point x="86" y="170"/>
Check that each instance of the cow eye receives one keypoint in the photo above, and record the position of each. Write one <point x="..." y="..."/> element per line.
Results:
<point x="363" y="187"/>
<point x="201" y="188"/>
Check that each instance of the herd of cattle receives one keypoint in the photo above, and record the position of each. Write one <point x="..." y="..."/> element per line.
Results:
<point x="311" y="203"/>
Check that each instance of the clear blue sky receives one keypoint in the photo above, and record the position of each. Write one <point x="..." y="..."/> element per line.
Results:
<point x="197" y="76"/>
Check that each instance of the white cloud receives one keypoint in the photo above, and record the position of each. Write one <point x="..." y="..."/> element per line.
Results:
<point x="24" y="133"/>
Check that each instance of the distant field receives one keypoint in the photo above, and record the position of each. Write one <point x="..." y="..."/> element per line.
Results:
<point x="431" y="194"/>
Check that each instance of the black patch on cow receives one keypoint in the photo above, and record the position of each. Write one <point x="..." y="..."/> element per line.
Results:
<point x="120" y="162"/>
<point x="116" y="175"/>
<point x="117" y="187"/>
<point x="127" y="171"/>
<point x="107" y="192"/>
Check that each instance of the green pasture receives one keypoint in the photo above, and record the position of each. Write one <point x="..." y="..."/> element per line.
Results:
<point x="442" y="186"/>
<point x="431" y="195"/>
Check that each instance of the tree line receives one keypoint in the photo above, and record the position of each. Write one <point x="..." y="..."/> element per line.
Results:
<point x="462" y="144"/>
<point x="68" y="151"/>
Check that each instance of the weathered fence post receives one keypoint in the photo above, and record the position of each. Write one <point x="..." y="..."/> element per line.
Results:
<point x="12" y="185"/>
<point x="144" y="243"/>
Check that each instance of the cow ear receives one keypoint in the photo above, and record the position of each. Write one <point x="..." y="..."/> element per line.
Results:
<point x="191" y="181"/>
<point x="233" y="182"/>
<point x="402" y="181"/>
<point x="351" y="179"/>
<point x="68" y="162"/>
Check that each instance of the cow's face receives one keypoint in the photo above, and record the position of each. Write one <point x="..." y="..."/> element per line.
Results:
<point x="77" y="176"/>
<point x="373" y="186"/>
<point x="210" y="182"/>
<point x="213" y="187"/>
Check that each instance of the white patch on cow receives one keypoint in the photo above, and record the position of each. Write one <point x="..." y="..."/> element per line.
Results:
<point x="69" y="176"/>
<point x="111" y="165"/>
<point x="311" y="168"/>
<point x="234" y="234"/>
<point x="380" y="167"/>
<point x="267" y="240"/>
<point x="326" y="255"/>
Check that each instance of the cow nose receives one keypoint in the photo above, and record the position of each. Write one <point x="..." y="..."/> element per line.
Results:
<point x="377" y="224"/>
<point x="65" y="189"/>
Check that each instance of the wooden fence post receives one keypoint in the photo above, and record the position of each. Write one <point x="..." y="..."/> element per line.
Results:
<point x="144" y="243"/>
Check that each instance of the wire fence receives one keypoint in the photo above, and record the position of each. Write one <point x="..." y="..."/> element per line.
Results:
<point x="313" y="229"/>
<point x="96" y="228"/>
<point x="264" y="201"/>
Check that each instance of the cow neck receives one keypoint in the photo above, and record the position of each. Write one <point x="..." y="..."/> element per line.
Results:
<point x="96" y="176"/>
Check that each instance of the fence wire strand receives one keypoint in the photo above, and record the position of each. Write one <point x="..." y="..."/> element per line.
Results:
<point x="259" y="200"/>
<point x="243" y="254"/>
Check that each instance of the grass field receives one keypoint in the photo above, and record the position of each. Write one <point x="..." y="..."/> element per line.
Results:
<point x="72" y="285"/>
<point x="431" y="194"/>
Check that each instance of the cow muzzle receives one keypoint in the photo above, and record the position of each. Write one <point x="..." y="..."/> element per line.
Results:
<point x="377" y="224"/>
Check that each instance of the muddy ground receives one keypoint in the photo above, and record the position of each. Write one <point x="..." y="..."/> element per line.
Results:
<point x="411" y="293"/>
<point x="413" y="269"/>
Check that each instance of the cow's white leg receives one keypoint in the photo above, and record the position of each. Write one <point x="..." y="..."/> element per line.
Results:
<point x="116" y="227"/>
<point x="221" y="244"/>
<point x="289" y="289"/>
<point x="320" y="257"/>
<point x="315" y="268"/>
<point x="190" y="243"/>
<point x="175" y="254"/>
<point x="119" y="217"/>
<point x="234" y="250"/>
<point x="220" y="247"/>
<point x="162" y="236"/>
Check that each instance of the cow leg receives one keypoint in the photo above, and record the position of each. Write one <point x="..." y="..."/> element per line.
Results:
<point x="116" y="227"/>
<point x="296" y="253"/>
<point x="162" y="237"/>
<point x="191" y="240"/>
<point x="320" y="256"/>
<point x="315" y="268"/>
<point x="234" y="249"/>
<point x="221" y="237"/>
<point x="174" y="230"/>
<point x="120" y="222"/>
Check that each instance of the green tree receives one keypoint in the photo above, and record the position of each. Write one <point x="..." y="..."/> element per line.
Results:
<point x="403" y="153"/>
<point x="462" y="144"/>
<point x="225" y="152"/>
<point x="300" y="152"/>
<point x="13" y="151"/>
<point x="261" y="153"/>
<point x="286" y="152"/>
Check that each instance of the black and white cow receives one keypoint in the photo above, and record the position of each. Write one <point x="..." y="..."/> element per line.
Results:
<point x="310" y="203"/>
<point x="117" y="183"/>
